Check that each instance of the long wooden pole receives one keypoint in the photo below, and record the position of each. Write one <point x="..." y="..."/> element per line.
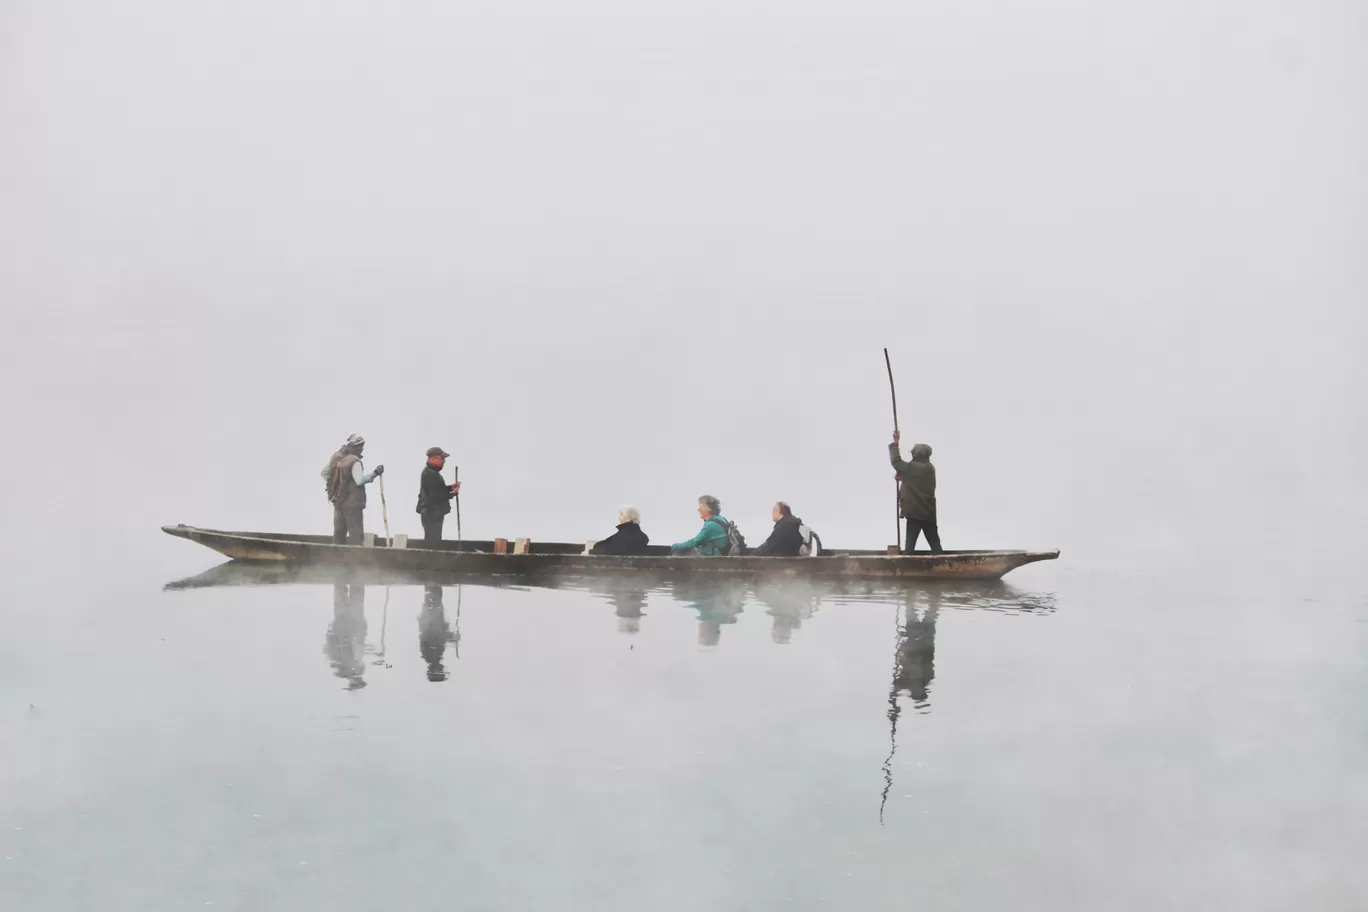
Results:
<point x="897" y="486"/>
<point x="384" y="513"/>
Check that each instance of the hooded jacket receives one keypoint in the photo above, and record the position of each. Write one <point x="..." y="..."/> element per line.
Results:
<point x="918" y="479"/>
<point x="785" y="540"/>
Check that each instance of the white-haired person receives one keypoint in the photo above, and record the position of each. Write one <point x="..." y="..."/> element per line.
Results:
<point x="628" y="539"/>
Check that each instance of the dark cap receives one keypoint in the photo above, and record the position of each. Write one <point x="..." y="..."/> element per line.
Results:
<point x="437" y="451"/>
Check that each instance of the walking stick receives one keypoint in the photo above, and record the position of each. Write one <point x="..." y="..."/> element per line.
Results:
<point x="897" y="486"/>
<point x="384" y="513"/>
<point x="456" y="477"/>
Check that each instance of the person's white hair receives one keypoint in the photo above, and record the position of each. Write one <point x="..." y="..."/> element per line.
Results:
<point x="628" y="514"/>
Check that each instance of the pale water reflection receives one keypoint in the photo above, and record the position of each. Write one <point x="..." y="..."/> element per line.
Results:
<point x="717" y="602"/>
<point x="345" y="641"/>
<point x="346" y="644"/>
<point x="625" y="743"/>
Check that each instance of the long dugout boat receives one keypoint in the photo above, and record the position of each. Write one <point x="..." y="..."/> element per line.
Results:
<point x="527" y="558"/>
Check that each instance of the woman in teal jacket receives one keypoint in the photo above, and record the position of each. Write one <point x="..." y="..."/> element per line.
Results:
<point x="711" y="540"/>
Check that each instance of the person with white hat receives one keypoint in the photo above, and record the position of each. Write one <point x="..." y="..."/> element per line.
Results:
<point x="346" y="482"/>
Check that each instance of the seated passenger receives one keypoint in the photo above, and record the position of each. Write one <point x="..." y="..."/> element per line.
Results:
<point x="711" y="540"/>
<point x="628" y="539"/>
<point x="787" y="538"/>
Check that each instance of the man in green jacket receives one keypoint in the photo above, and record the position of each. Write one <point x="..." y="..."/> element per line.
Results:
<point x="918" y="489"/>
<point x="711" y="540"/>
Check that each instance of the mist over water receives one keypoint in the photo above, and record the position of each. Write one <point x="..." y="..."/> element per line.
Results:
<point x="618" y="254"/>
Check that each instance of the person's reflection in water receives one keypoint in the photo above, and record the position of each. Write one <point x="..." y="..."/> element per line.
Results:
<point x="788" y="605"/>
<point x="914" y="666"/>
<point x="915" y="663"/>
<point x="433" y="632"/>
<point x="718" y="602"/>
<point x="345" y="642"/>
<point x="630" y="608"/>
<point x="628" y="598"/>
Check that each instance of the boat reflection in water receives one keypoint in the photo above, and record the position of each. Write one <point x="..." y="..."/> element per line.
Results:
<point x="718" y="601"/>
<point x="919" y="606"/>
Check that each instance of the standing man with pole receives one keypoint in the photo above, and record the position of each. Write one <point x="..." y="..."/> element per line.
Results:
<point x="346" y="482"/>
<point x="918" y="494"/>
<point x="916" y="484"/>
<point x="435" y="496"/>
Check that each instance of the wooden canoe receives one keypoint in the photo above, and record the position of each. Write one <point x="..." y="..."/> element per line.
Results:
<point x="478" y="558"/>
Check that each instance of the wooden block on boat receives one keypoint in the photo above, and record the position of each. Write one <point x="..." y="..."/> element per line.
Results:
<point x="368" y="540"/>
<point x="500" y="546"/>
<point x="522" y="546"/>
<point x="893" y="551"/>
<point x="400" y="541"/>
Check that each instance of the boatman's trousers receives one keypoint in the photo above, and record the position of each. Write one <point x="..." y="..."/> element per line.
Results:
<point x="432" y="527"/>
<point x="347" y="528"/>
<point x="917" y="526"/>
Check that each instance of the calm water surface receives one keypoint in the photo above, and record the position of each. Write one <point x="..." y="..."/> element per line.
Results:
<point x="1063" y="740"/>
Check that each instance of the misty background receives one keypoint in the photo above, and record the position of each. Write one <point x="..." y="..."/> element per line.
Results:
<point x="622" y="254"/>
<point x="615" y="252"/>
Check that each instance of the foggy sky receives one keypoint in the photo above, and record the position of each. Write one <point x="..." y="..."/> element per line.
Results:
<point x="614" y="252"/>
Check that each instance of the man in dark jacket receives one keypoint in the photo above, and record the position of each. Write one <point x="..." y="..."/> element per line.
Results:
<point x="918" y="489"/>
<point x="629" y="539"/>
<point x="434" y="495"/>
<point x="787" y="537"/>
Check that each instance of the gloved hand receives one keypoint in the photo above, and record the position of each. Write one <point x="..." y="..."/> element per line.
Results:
<point x="379" y="470"/>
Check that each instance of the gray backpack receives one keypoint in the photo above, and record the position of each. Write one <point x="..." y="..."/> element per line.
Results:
<point x="736" y="542"/>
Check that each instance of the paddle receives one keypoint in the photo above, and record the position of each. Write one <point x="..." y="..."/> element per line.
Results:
<point x="897" y="486"/>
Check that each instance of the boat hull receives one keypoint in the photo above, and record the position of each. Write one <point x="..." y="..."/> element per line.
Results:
<point x="479" y="559"/>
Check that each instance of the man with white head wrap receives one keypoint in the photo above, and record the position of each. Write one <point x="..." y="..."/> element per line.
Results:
<point x="346" y="481"/>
